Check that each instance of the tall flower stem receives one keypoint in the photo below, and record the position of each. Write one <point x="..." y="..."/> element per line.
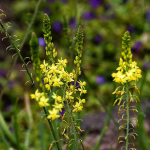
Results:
<point x="11" y="41"/>
<point x="73" y="126"/>
<point x="128" y="117"/>
<point x="22" y="44"/>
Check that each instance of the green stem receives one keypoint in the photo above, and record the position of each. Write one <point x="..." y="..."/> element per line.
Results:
<point x="73" y="126"/>
<point x="16" y="49"/>
<point x="128" y="117"/>
<point x="5" y="129"/>
<point x="29" y="77"/>
<point x="22" y="44"/>
<point x="53" y="132"/>
<point x="2" y="137"/>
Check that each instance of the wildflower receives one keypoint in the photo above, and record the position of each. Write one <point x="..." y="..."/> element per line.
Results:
<point x="42" y="42"/>
<point x="37" y="95"/>
<point x="53" y="114"/>
<point x="57" y="82"/>
<point x="77" y="107"/>
<point x="57" y="26"/>
<point x="58" y="106"/>
<point x="127" y="72"/>
<point x="62" y="62"/>
<point x="57" y="98"/>
<point x="68" y="95"/>
<point x="88" y="15"/>
<point x="100" y="80"/>
<point x="43" y="101"/>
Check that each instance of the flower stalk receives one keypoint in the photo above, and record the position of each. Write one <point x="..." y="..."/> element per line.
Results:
<point x="127" y="75"/>
<point x="128" y="117"/>
<point x="22" y="60"/>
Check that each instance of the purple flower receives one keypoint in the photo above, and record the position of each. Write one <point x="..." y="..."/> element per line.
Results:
<point x="147" y="15"/>
<point x="97" y="39"/>
<point x="77" y="84"/>
<point x="11" y="84"/>
<point x="137" y="47"/>
<point x="95" y="3"/>
<point x="88" y="15"/>
<point x="100" y="79"/>
<point x="72" y="23"/>
<point x="11" y="129"/>
<point x="42" y="42"/>
<point x="62" y="112"/>
<point x="1" y="72"/>
<point x="57" y="26"/>
<point x="146" y="65"/>
<point x="130" y="28"/>
<point x="8" y="107"/>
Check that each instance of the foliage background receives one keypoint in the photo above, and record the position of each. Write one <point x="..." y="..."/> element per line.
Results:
<point x="103" y="22"/>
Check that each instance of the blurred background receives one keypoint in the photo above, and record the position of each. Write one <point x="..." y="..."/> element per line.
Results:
<point x="104" y="23"/>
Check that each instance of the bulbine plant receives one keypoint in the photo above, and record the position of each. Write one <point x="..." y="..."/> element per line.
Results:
<point x="60" y="90"/>
<point x="127" y="75"/>
<point x="60" y="93"/>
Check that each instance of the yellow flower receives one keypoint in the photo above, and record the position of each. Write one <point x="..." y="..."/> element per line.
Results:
<point x="68" y="95"/>
<point x="57" y="98"/>
<point x="77" y="107"/>
<point x="58" y="106"/>
<point x="82" y="91"/>
<point x="53" y="114"/>
<point x="120" y="77"/>
<point x="53" y="69"/>
<point x="62" y="62"/>
<point x="43" y="101"/>
<point x="43" y="66"/>
<point x="57" y="82"/>
<point x="37" y="95"/>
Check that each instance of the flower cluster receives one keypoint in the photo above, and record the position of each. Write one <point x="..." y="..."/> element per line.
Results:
<point x="128" y="70"/>
<point x="128" y="74"/>
<point x="56" y="76"/>
<point x="40" y="97"/>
